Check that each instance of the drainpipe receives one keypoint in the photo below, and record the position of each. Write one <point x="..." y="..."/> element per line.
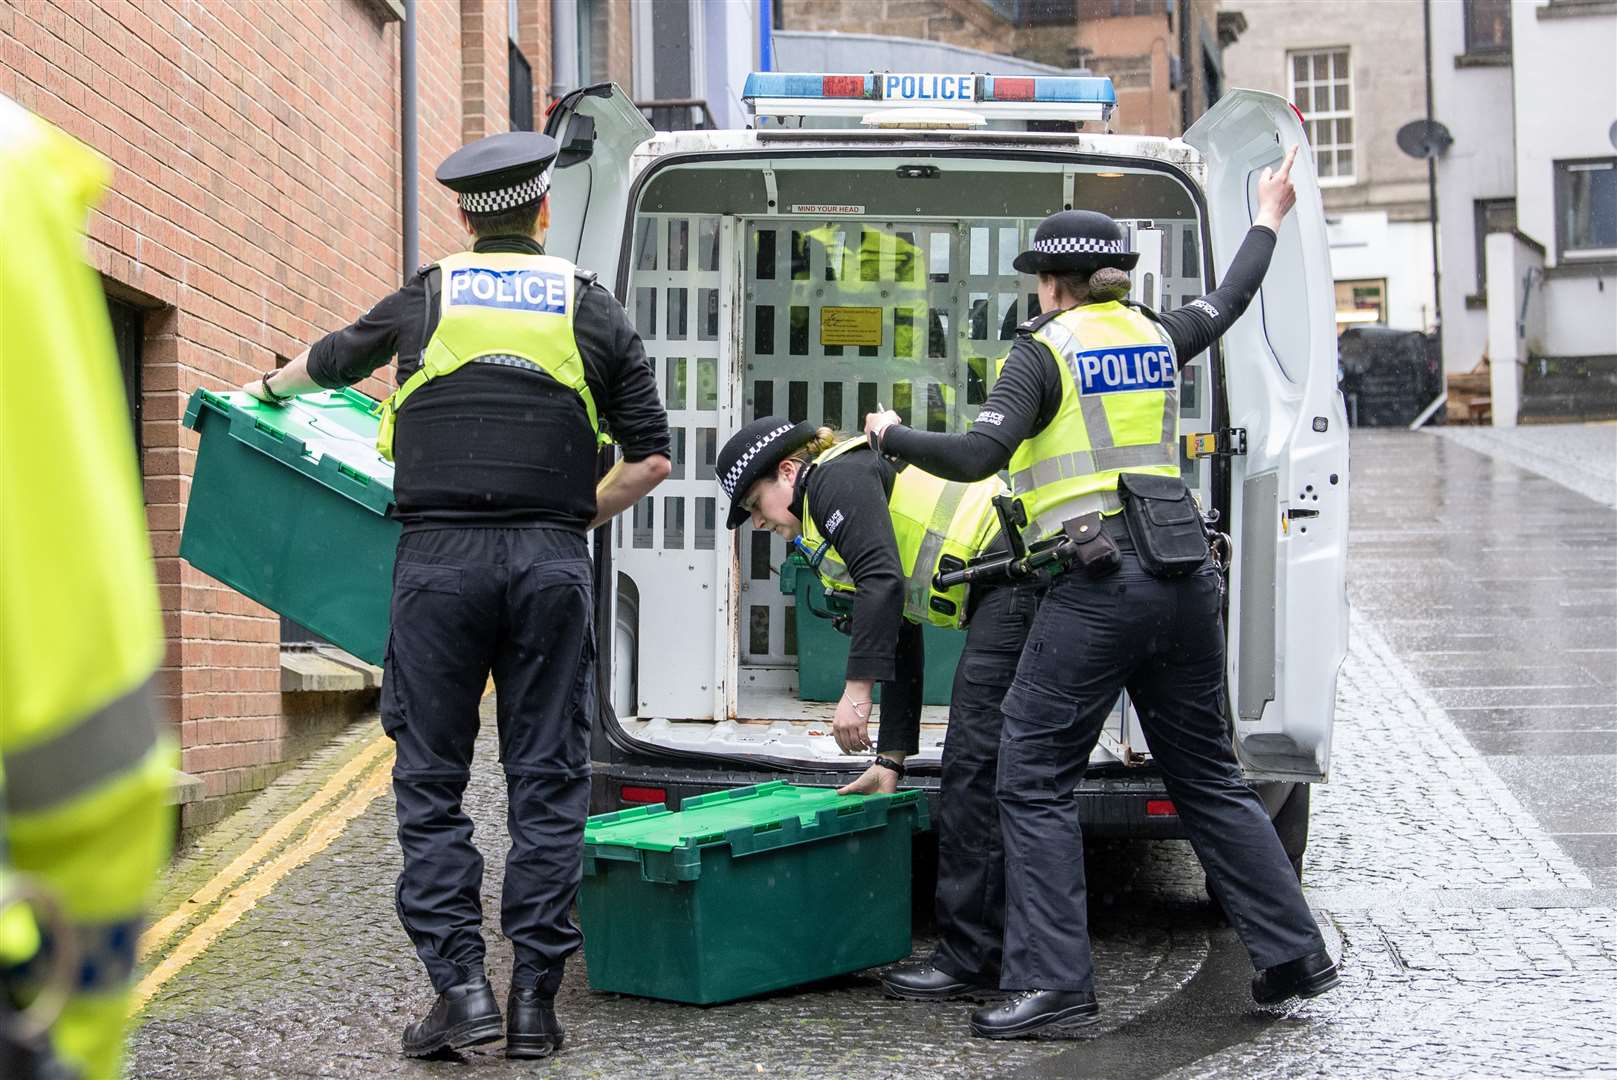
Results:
<point x="1431" y="191"/>
<point x="408" y="165"/>
<point x="1187" y="76"/>
<point x="766" y="35"/>
<point x="563" y="47"/>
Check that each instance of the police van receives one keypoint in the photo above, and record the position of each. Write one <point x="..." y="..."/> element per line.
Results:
<point x="852" y="247"/>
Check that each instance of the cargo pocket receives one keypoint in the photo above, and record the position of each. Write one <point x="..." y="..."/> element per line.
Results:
<point x="391" y="703"/>
<point x="427" y="577"/>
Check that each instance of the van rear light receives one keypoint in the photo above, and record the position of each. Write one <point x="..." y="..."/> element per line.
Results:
<point x="1299" y="113"/>
<point x="1160" y="808"/>
<point x="632" y="794"/>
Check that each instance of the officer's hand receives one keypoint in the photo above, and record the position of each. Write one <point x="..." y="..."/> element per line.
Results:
<point x="851" y="728"/>
<point x="878" y="422"/>
<point x="875" y="780"/>
<point x="1276" y="196"/>
<point x="255" y="390"/>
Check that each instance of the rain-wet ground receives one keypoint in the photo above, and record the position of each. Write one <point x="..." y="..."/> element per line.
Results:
<point x="1456" y="861"/>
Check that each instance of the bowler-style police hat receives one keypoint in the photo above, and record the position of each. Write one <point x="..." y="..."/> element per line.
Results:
<point x="501" y="172"/>
<point x="752" y="453"/>
<point x="1076" y="241"/>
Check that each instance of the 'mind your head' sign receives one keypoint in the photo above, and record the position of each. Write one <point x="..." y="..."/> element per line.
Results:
<point x="516" y="290"/>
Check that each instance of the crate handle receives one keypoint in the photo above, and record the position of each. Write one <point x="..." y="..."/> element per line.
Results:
<point x="354" y="474"/>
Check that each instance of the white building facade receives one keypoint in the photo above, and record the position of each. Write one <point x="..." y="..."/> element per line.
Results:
<point x="1528" y="200"/>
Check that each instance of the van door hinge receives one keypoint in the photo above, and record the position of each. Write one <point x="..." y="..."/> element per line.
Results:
<point x="1226" y="443"/>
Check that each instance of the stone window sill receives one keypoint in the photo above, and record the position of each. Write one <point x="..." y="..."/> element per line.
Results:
<point x="1501" y="59"/>
<point x="1572" y="9"/>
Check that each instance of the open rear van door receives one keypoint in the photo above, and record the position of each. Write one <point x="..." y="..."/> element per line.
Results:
<point x="598" y="128"/>
<point x="1289" y="491"/>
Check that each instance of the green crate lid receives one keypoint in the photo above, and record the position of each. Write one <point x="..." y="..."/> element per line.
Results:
<point x="329" y="436"/>
<point x="749" y="820"/>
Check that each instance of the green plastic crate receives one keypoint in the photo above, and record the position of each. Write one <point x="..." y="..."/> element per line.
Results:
<point x="289" y="507"/>
<point x="747" y="891"/>
<point x="822" y="652"/>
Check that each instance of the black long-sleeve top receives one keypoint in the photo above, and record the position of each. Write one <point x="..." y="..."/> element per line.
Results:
<point x="847" y="500"/>
<point x="492" y="445"/>
<point x="1027" y="393"/>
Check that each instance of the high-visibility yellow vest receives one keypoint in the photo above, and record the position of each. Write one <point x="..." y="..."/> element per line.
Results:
<point x="1119" y="413"/>
<point x="502" y="308"/>
<point x="83" y="773"/>
<point x="933" y="520"/>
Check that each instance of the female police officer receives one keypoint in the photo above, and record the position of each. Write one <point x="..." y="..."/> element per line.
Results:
<point x="1085" y="413"/>
<point x="508" y="358"/>
<point x="862" y="522"/>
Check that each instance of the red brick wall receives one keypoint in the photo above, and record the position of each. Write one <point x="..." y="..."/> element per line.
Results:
<point x="255" y="205"/>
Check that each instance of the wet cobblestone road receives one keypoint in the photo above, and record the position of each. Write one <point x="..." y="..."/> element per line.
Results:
<point x="1475" y="941"/>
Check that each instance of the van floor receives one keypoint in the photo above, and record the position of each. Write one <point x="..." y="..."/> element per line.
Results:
<point x="774" y="723"/>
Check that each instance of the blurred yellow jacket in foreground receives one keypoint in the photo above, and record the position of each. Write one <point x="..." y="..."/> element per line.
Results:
<point x="82" y="769"/>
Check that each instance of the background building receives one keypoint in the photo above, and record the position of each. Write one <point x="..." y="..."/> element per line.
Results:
<point x="1527" y="198"/>
<point x="1164" y="56"/>
<point x="1357" y="73"/>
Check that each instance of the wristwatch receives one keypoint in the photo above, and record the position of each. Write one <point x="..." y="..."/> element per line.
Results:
<point x="274" y="398"/>
<point x="889" y="763"/>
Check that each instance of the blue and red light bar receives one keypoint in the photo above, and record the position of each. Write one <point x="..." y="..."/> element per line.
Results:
<point x="911" y="88"/>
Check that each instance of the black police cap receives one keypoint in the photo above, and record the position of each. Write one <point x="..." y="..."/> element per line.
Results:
<point x="752" y="453"/>
<point x="1076" y="241"/>
<point x="500" y="172"/>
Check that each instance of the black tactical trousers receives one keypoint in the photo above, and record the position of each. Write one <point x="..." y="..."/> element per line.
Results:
<point x="516" y="603"/>
<point x="971" y="860"/>
<point x="1162" y="642"/>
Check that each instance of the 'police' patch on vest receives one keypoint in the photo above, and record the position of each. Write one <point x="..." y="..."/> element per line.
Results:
<point x="517" y="290"/>
<point x="1123" y="367"/>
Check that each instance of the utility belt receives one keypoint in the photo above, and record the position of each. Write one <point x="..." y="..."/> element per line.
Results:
<point x="1160" y="522"/>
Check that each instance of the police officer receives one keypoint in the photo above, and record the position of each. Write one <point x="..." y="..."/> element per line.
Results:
<point x="1085" y="410"/>
<point x="861" y="522"/>
<point x="509" y="359"/>
<point x="84" y="823"/>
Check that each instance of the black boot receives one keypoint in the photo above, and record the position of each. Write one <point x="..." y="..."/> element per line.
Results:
<point x="534" y="1031"/>
<point x="464" y="1015"/>
<point x="1051" y="1012"/>
<point x="925" y="982"/>
<point x="1308" y="976"/>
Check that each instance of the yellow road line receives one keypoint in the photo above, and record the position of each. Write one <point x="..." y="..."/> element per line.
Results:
<point x="327" y="829"/>
<point x="217" y="885"/>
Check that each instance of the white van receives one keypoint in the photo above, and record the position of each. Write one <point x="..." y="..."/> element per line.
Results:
<point x="854" y="246"/>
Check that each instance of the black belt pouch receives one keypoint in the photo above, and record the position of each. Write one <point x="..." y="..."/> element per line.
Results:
<point x="1092" y="549"/>
<point x="1164" y="524"/>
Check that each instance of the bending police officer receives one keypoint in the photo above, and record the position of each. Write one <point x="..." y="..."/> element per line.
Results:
<point x="509" y="359"/>
<point x="881" y="533"/>
<point x="1085" y="413"/>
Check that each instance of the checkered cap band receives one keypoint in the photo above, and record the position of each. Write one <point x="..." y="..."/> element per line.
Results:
<point x="729" y="480"/>
<point x="493" y="202"/>
<point x="1079" y="245"/>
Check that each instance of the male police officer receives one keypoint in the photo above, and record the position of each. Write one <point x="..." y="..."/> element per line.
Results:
<point x="508" y="360"/>
<point x="1085" y="414"/>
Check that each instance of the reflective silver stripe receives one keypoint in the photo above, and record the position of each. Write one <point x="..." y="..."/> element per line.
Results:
<point x="1049" y="522"/>
<point x="507" y="360"/>
<point x="107" y="742"/>
<point x="918" y="589"/>
<point x="1086" y="462"/>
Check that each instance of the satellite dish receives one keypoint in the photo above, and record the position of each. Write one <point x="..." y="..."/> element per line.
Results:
<point x="1612" y="134"/>
<point x="1424" y="139"/>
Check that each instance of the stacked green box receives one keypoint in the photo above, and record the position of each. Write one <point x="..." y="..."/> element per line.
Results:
<point x="747" y="891"/>
<point x="822" y="651"/>
<point x="289" y="507"/>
